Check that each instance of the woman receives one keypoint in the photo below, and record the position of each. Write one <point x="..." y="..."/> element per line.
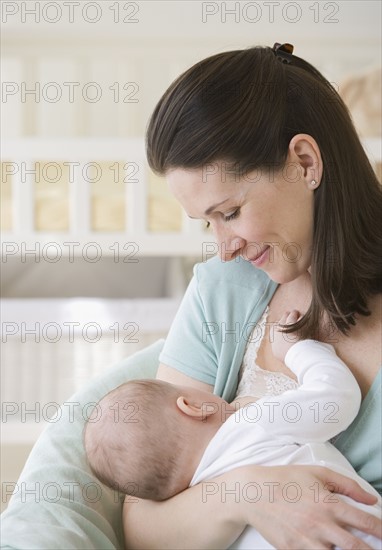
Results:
<point x="258" y="144"/>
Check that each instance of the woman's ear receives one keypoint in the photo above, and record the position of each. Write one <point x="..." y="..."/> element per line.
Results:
<point x="304" y="151"/>
<point x="198" y="411"/>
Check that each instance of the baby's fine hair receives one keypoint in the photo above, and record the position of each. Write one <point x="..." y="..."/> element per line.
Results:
<point x="132" y="441"/>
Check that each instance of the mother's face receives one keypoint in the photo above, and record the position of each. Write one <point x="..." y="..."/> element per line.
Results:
<point x="265" y="217"/>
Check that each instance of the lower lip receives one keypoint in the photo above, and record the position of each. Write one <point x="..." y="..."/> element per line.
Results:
<point x="261" y="259"/>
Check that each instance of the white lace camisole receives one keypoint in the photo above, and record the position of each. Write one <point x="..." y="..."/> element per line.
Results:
<point x="255" y="381"/>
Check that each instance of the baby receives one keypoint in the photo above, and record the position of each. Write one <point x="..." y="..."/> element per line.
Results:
<point x="152" y="439"/>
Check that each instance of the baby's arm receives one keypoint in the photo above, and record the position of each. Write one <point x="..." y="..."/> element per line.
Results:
<point x="327" y="400"/>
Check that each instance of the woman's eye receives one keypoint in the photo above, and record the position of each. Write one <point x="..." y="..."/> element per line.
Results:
<point x="232" y="216"/>
<point x="228" y="218"/>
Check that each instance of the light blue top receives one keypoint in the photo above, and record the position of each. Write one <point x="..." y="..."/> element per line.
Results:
<point x="207" y="340"/>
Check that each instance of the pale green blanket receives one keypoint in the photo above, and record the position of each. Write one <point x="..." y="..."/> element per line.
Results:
<point x="59" y="503"/>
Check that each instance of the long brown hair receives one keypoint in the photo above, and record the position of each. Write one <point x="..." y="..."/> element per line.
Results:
<point x="244" y="107"/>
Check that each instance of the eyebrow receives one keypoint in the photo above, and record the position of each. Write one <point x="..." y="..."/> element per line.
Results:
<point x="211" y="208"/>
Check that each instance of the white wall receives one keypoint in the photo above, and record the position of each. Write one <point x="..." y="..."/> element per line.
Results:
<point x="151" y="42"/>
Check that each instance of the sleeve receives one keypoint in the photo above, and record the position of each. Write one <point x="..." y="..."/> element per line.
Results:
<point x="189" y="347"/>
<point x="326" y="402"/>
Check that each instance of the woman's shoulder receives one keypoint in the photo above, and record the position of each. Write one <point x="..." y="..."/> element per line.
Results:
<point x="238" y="272"/>
<point x="360" y="442"/>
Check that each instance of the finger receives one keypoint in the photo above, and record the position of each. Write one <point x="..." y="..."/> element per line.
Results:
<point x="342" y="532"/>
<point x="348" y="540"/>
<point x="292" y="317"/>
<point x="284" y="318"/>
<point x="362" y="521"/>
<point x="348" y="487"/>
<point x="365" y="518"/>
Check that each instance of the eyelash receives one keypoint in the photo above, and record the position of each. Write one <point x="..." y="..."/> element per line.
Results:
<point x="232" y="216"/>
<point x="228" y="218"/>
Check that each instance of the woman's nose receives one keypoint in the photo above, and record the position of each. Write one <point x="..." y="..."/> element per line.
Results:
<point x="229" y="245"/>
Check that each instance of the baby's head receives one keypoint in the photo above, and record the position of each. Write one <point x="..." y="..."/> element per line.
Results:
<point x="146" y="437"/>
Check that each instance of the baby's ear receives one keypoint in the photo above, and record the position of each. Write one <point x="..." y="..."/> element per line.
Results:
<point x="190" y="410"/>
<point x="198" y="411"/>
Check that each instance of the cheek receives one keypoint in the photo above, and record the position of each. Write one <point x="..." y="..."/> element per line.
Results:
<point x="293" y="220"/>
<point x="256" y="223"/>
<point x="303" y="220"/>
<point x="278" y="216"/>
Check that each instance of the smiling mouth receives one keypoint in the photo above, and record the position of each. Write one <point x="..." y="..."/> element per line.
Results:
<point x="259" y="255"/>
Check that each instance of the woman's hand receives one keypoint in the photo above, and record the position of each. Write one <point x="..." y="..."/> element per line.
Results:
<point x="292" y="507"/>
<point x="300" y="508"/>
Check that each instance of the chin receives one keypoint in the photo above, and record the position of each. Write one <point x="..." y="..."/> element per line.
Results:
<point x="284" y="275"/>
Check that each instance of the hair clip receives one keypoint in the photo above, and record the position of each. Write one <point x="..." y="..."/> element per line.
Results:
<point x="283" y="52"/>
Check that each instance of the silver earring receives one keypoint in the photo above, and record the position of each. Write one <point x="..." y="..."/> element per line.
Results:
<point x="313" y="183"/>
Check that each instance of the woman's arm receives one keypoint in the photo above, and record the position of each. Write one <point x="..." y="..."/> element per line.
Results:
<point x="194" y="518"/>
<point x="222" y="507"/>
<point x="173" y="376"/>
<point x="213" y="514"/>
